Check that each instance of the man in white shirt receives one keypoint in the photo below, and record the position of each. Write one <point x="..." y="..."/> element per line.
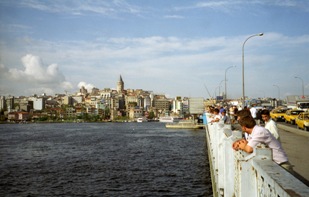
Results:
<point x="216" y="115"/>
<point x="259" y="135"/>
<point x="253" y="112"/>
<point x="270" y="125"/>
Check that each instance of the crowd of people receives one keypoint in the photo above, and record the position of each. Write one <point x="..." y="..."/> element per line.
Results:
<point x="258" y="128"/>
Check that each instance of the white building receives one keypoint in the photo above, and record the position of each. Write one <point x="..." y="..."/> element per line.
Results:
<point x="38" y="103"/>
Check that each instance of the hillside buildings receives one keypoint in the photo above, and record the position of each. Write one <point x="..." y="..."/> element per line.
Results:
<point x="105" y="104"/>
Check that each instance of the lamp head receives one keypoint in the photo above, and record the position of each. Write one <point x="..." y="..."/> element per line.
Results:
<point x="261" y="34"/>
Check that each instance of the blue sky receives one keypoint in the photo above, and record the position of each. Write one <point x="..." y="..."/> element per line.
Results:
<point x="174" y="47"/>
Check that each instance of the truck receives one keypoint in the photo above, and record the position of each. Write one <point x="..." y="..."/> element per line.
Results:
<point x="298" y="102"/>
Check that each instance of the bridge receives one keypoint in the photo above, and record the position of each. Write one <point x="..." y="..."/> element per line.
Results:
<point x="239" y="174"/>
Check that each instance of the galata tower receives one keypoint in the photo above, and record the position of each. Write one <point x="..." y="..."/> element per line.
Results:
<point x="120" y="85"/>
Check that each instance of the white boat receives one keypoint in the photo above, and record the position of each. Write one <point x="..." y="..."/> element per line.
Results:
<point x="169" y="119"/>
<point x="185" y="124"/>
<point x="142" y="119"/>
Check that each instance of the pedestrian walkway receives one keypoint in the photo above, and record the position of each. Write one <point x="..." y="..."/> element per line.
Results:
<point x="296" y="146"/>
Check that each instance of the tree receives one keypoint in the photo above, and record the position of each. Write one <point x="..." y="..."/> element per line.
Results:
<point x="151" y="115"/>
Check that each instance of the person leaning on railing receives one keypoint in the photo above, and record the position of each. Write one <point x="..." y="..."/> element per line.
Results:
<point x="216" y="116"/>
<point x="241" y="114"/>
<point x="257" y="135"/>
<point x="225" y="118"/>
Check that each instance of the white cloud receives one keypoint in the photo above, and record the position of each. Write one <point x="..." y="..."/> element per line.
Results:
<point x="66" y="85"/>
<point x="36" y="71"/>
<point x="34" y="77"/>
<point x="75" y="7"/>
<point x="229" y="6"/>
<point x="174" y="16"/>
<point x="88" y="86"/>
<point x="152" y="62"/>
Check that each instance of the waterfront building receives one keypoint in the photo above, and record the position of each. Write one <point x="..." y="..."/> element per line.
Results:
<point x="18" y="116"/>
<point x="26" y="105"/>
<point x="146" y="102"/>
<point x="77" y="100"/>
<point x="95" y="92"/>
<point x="106" y="95"/>
<point x="12" y="116"/>
<point x="22" y="104"/>
<point x="2" y="103"/>
<point x="135" y="112"/>
<point x="67" y="100"/>
<point x="162" y="104"/>
<point x="185" y="106"/>
<point x="69" y="112"/>
<point x="23" y="116"/>
<point x="9" y="103"/>
<point x="38" y="103"/>
<point x="177" y="106"/>
<point x="131" y="100"/>
<point x="114" y="102"/>
<point x="51" y="103"/>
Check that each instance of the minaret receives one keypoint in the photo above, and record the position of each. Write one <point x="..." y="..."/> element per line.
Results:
<point x="120" y="85"/>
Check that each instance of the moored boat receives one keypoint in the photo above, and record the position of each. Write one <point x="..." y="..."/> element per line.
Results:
<point x="185" y="124"/>
<point x="169" y="119"/>
<point x="141" y="119"/>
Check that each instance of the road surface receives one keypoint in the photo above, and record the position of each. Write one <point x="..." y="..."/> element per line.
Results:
<point x="296" y="147"/>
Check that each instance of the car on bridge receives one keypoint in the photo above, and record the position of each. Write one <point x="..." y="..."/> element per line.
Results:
<point x="302" y="121"/>
<point x="291" y="114"/>
<point x="278" y="113"/>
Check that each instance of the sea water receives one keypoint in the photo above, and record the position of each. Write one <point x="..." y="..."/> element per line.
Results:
<point x="102" y="159"/>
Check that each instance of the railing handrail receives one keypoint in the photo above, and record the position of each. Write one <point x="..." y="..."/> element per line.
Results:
<point x="237" y="173"/>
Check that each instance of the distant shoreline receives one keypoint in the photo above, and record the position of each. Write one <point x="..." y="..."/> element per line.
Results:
<point x="77" y="122"/>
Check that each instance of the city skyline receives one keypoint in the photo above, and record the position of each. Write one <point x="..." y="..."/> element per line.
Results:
<point x="177" y="48"/>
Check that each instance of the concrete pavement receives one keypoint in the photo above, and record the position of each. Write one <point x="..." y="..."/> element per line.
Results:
<point x="295" y="142"/>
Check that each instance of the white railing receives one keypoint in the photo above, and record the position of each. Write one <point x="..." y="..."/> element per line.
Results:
<point x="239" y="174"/>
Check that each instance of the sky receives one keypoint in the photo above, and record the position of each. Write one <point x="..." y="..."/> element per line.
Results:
<point x="172" y="47"/>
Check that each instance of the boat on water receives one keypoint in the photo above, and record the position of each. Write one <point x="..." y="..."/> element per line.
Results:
<point x="169" y="119"/>
<point x="141" y="119"/>
<point x="185" y="124"/>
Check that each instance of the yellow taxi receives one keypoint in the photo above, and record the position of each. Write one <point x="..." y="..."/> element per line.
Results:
<point x="291" y="115"/>
<point x="278" y="113"/>
<point x="302" y="121"/>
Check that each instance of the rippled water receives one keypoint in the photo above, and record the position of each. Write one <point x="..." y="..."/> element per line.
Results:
<point x="102" y="159"/>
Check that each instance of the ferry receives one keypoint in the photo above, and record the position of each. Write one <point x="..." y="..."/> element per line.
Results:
<point x="141" y="119"/>
<point x="169" y="119"/>
<point x="185" y="124"/>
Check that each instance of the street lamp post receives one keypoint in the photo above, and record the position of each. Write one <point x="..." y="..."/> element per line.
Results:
<point x="225" y="80"/>
<point x="216" y="91"/>
<point x="278" y="91"/>
<point x="220" y="86"/>
<point x="303" y="90"/>
<point x="243" y="65"/>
